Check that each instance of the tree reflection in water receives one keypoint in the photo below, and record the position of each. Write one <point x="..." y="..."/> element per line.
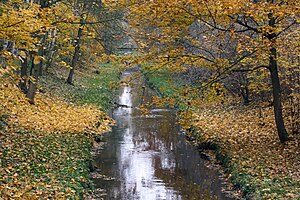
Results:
<point x="149" y="159"/>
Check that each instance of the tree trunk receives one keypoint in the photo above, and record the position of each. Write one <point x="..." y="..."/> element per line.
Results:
<point x="282" y="133"/>
<point x="51" y="51"/>
<point x="245" y="95"/>
<point x="32" y="90"/>
<point x="42" y="53"/>
<point x="33" y="83"/>
<point x="23" y="81"/>
<point x="41" y="68"/>
<point x="76" y="52"/>
<point x="4" y="48"/>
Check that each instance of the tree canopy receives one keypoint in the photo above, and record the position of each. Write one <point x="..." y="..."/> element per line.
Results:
<point x="223" y="37"/>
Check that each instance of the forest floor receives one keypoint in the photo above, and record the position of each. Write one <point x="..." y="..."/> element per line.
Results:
<point x="245" y="142"/>
<point x="45" y="148"/>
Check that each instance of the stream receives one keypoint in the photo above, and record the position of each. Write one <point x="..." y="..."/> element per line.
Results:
<point x="146" y="157"/>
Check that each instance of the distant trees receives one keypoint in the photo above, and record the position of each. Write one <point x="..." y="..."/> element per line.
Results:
<point x="95" y="20"/>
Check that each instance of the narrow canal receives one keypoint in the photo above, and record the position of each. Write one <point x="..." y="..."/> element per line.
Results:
<point x="147" y="157"/>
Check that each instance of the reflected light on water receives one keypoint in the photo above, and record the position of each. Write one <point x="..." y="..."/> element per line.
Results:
<point x="148" y="159"/>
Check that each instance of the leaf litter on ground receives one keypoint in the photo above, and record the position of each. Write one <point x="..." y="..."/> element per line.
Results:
<point x="259" y="163"/>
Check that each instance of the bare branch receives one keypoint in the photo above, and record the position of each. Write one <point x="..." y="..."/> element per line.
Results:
<point x="286" y="28"/>
<point x="14" y="24"/>
<point x="250" y="70"/>
<point x="244" y="24"/>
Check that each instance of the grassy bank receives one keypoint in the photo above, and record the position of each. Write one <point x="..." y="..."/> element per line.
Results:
<point x="163" y="85"/>
<point x="246" y="143"/>
<point x="45" y="148"/>
<point x="91" y="86"/>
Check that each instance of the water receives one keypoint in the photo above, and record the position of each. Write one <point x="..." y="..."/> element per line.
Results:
<point x="147" y="157"/>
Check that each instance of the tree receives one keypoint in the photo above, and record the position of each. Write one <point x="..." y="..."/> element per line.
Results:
<point x="43" y="32"/>
<point x="77" y="50"/>
<point x="261" y="29"/>
<point x="94" y="18"/>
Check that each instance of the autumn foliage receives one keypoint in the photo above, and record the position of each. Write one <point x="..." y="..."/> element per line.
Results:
<point x="45" y="147"/>
<point x="220" y="39"/>
<point x="219" y="52"/>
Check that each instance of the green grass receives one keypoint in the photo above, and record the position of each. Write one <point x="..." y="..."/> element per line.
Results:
<point x="97" y="89"/>
<point x="88" y="88"/>
<point x="162" y="83"/>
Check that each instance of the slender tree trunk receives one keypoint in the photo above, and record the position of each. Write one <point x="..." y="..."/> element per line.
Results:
<point x="42" y="53"/>
<point x="76" y="52"/>
<point x="4" y="47"/>
<point x="41" y="68"/>
<point x="32" y="87"/>
<point x="245" y="95"/>
<point x="32" y="90"/>
<point x="35" y="72"/>
<point x="31" y="66"/>
<point x="23" y="81"/>
<point x="277" y="99"/>
<point x="50" y="52"/>
<point x="36" y="69"/>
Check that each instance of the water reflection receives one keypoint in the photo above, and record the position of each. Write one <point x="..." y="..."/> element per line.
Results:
<point x="146" y="158"/>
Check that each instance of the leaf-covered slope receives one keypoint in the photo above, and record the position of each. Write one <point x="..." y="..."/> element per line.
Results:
<point x="258" y="162"/>
<point x="49" y="114"/>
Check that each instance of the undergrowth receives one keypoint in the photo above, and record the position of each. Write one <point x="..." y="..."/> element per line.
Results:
<point x="258" y="163"/>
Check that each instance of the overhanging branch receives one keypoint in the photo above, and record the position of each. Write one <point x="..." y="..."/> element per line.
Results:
<point x="250" y="70"/>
